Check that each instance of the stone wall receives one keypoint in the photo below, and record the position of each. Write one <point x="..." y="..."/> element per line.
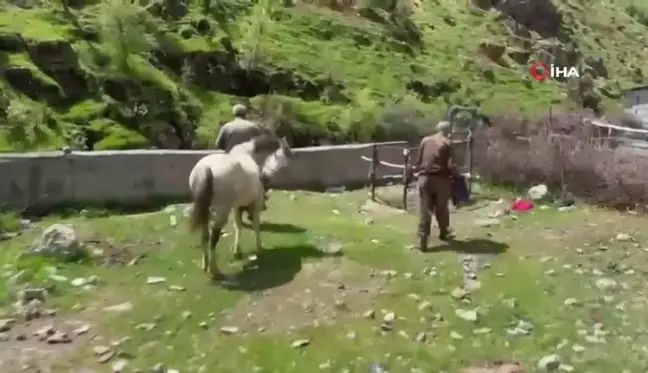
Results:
<point x="137" y="176"/>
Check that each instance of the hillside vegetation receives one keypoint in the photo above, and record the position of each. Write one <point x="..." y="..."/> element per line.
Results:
<point x="118" y="74"/>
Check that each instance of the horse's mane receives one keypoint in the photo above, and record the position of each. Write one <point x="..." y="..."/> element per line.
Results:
<point x="265" y="142"/>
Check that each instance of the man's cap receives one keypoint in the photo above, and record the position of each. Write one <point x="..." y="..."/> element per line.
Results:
<point x="238" y="110"/>
<point x="443" y="125"/>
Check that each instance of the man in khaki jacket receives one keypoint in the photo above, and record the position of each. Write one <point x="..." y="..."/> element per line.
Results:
<point x="435" y="169"/>
<point x="239" y="131"/>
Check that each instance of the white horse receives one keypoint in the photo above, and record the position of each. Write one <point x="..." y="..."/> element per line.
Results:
<point x="221" y="182"/>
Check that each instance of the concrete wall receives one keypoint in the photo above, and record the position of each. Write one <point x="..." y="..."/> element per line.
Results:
<point x="43" y="179"/>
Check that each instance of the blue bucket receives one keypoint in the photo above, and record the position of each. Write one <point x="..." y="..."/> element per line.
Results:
<point x="460" y="193"/>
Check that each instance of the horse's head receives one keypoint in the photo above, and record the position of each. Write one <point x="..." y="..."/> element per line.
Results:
<point x="278" y="159"/>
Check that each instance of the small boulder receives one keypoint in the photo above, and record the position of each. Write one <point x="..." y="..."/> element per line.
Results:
<point x="57" y="242"/>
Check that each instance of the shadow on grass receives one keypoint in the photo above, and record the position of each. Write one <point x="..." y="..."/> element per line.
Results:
<point x="273" y="267"/>
<point x="278" y="227"/>
<point x="471" y="246"/>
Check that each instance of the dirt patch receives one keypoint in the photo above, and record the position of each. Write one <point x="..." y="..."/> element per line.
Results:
<point x="324" y="292"/>
<point x="109" y="252"/>
<point x="23" y="351"/>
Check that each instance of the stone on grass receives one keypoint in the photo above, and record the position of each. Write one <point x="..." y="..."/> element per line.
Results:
<point x="120" y="308"/>
<point x="538" y="192"/>
<point x="468" y="315"/>
<point x="119" y="365"/>
<point x="549" y="363"/>
<point x="59" y="337"/>
<point x="6" y="324"/>
<point x="155" y="280"/>
<point x="605" y="283"/>
<point x="58" y="242"/>
<point x="229" y="330"/>
<point x="389" y="318"/>
<point x="300" y="343"/>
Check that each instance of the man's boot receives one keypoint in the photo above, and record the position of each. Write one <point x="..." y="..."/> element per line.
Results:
<point x="422" y="243"/>
<point x="446" y="234"/>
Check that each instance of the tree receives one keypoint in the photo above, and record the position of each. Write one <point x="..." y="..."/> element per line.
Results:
<point x="124" y="26"/>
<point x="258" y="24"/>
<point x="24" y="129"/>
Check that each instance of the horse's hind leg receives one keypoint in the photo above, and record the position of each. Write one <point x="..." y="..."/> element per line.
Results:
<point x="204" y="241"/>
<point x="238" y="226"/>
<point x="215" y="234"/>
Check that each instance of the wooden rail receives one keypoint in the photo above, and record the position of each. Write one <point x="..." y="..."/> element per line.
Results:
<point x="374" y="162"/>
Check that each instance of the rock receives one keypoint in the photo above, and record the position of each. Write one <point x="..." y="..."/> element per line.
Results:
<point x="229" y="330"/>
<point x="119" y="308"/>
<point x="605" y="283"/>
<point x="541" y="16"/>
<point x="100" y="350"/>
<point x="6" y="324"/>
<point x="492" y="50"/>
<point x="82" y="329"/>
<point x="578" y="348"/>
<point x="58" y="242"/>
<point x="300" y="343"/>
<point x="158" y="368"/>
<point x="103" y="359"/>
<point x="468" y="315"/>
<point x="538" y="192"/>
<point x="155" y="280"/>
<point x="11" y="42"/>
<point x="597" y="65"/>
<point x="420" y="337"/>
<point x="59" y="337"/>
<point x="549" y="363"/>
<point x="482" y="331"/>
<point x="424" y="306"/>
<point x="369" y="314"/>
<point x="177" y="288"/>
<point x="119" y="365"/>
<point x="459" y="293"/>
<point x="624" y="237"/>
<point x="570" y="302"/>
<point x="30" y="294"/>
<point x="44" y="332"/>
<point x="389" y="318"/>
<point x="488" y="222"/>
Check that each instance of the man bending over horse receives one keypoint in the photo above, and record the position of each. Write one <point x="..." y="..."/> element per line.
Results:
<point x="239" y="131"/>
<point x="434" y="169"/>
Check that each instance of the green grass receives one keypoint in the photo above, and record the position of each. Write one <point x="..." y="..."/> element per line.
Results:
<point x="545" y="257"/>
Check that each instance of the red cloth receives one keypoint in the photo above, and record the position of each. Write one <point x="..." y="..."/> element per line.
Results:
<point x="521" y="205"/>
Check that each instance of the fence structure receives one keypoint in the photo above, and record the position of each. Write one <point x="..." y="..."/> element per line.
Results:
<point x="462" y="143"/>
<point x="604" y="135"/>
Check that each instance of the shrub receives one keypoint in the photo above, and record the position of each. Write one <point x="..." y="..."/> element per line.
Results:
<point x="520" y="152"/>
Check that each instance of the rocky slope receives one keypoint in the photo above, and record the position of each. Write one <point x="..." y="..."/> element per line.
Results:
<point x="110" y="74"/>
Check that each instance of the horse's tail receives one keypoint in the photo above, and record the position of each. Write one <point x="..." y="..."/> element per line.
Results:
<point x="202" y="198"/>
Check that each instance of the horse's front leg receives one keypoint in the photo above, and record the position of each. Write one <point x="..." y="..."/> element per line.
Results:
<point x="238" y="226"/>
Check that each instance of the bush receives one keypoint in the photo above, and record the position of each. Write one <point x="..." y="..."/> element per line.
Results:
<point x="521" y="153"/>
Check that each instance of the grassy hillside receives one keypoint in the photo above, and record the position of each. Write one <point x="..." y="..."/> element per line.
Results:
<point x="112" y="74"/>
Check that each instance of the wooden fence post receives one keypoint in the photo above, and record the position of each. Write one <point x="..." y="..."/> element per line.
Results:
<point x="372" y="171"/>
<point x="406" y="157"/>
<point x="470" y="160"/>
